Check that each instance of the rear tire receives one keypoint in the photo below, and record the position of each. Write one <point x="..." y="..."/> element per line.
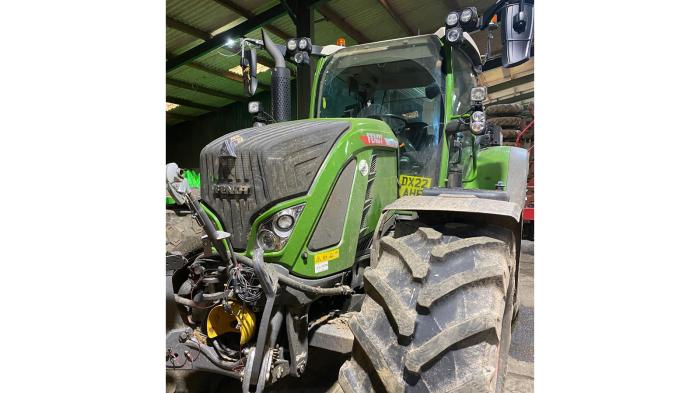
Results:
<point x="438" y="315"/>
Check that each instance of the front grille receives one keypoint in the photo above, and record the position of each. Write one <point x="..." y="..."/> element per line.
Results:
<point x="369" y="194"/>
<point x="269" y="164"/>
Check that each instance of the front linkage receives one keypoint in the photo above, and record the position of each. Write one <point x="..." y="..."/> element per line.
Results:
<point x="221" y="292"/>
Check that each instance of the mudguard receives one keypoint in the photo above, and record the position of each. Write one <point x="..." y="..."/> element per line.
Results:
<point x="510" y="211"/>
<point x="516" y="184"/>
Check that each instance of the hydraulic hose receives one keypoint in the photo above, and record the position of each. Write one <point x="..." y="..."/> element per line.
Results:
<point x="291" y="282"/>
<point x="191" y="303"/>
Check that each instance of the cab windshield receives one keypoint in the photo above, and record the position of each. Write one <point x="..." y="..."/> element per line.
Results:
<point x="398" y="82"/>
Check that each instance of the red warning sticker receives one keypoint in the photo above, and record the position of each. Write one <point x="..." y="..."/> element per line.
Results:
<point x="378" y="140"/>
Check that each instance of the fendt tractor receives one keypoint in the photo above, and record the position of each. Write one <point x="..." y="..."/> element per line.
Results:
<point x="386" y="225"/>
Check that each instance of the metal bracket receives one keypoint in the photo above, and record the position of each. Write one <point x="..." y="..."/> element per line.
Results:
<point x="270" y="288"/>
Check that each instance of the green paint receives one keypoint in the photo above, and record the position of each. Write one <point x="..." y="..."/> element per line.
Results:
<point x="493" y="167"/>
<point x="314" y="86"/>
<point x="215" y="220"/>
<point x="348" y="147"/>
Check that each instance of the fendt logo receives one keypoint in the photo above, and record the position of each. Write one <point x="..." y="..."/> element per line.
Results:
<point x="378" y="140"/>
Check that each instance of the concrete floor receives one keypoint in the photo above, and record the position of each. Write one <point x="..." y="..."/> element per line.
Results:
<point x="322" y="371"/>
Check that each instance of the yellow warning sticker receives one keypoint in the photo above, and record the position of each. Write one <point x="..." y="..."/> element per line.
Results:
<point x="321" y="260"/>
<point x="413" y="185"/>
<point x="327" y="256"/>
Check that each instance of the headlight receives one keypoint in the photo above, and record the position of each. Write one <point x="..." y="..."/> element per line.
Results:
<point x="478" y="93"/>
<point x="299" y="57"/>
<point x="478" y="116"/>
<point x="284" y="222"/>
<point x="274" y="232"/>
<point x="454" y="34"/>
<point x="304" y="43"/>
<point x="452" y="19"/>
<point x="466" y="15"/>
<point x="292" y="45"/>
<point x="267" y="240"/>
<point x="477" y="122"/>
<point x="469" y="18"/>
<point x="253" y="107"/>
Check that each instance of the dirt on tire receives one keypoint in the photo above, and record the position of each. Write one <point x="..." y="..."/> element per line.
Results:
<point x="183" y="233"/>
<point x="438" y="313"/>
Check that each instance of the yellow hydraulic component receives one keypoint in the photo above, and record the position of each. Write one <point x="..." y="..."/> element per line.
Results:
<point x="240" y="320"/>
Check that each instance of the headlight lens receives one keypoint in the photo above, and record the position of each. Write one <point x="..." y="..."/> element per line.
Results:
<point x="292" y="45"/>
<point x="303" y="44"/>
<point x="478" y="116"/>
<point x="284" y="222"/>
<point x="299" y="57"/>
<point x="253" y="107"/>
<point x="452" y="19"/>
<point x="478" y="93"/>
<point x="274" y="232"/>
<point x="466" y="15"/>
<point x="267" y="240"/>
<point x="454" y="34"/>
<point x="477" y="122"/>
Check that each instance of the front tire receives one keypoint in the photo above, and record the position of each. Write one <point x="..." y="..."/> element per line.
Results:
<point x="438" y="315"/>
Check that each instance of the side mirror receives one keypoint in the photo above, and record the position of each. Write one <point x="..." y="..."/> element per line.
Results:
<point x="249" y="65"/>
<point x="516" y="32"/>
<point x="253" y="107"/>
<point x="432" y="91"/>
<point x="176" y="185"/>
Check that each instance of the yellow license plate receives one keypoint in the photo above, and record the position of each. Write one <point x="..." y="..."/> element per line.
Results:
<point x="413" y="185"/>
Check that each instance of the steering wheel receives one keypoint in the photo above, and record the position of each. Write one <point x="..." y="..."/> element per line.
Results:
<point x="409" y="161"/>
<point x="384" y="117"/>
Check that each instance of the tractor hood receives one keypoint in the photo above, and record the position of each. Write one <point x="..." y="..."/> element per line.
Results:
<point x="247" y="171"/>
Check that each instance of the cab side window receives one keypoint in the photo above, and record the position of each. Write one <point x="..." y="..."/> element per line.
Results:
<point x="464" y="80"/>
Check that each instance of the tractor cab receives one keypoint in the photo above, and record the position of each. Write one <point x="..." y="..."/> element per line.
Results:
<point x="403" y="82"/>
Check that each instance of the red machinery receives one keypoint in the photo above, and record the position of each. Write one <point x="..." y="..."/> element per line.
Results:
<point x="529" y="210"/>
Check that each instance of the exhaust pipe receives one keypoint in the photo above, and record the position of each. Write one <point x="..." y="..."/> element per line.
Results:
<point x="281" y="87"/>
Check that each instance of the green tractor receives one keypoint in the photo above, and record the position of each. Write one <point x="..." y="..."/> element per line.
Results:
<point x="386" y="226"/>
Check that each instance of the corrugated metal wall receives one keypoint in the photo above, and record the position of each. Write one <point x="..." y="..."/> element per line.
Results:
<point x="185" y="140"/>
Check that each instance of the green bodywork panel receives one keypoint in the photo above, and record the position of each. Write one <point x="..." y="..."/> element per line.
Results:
<point x="295" y="255"/>
<point x="492" y="167"/>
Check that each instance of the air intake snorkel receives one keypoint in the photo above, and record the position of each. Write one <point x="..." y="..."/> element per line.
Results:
<point x="281" y="88"/>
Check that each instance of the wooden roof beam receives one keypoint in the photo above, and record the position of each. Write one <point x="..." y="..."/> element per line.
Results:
<point x="342" y="24"/>
<point x="406" y="28"/>
<point x="224" y="74"/>
<point x="202" y="89"/>
<point x="219" y="40"/>
<point x="231" y="5"/>
<point x="187" y="29"/>
<point x="188" y="103"/>
<point x="177" y="116"/>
